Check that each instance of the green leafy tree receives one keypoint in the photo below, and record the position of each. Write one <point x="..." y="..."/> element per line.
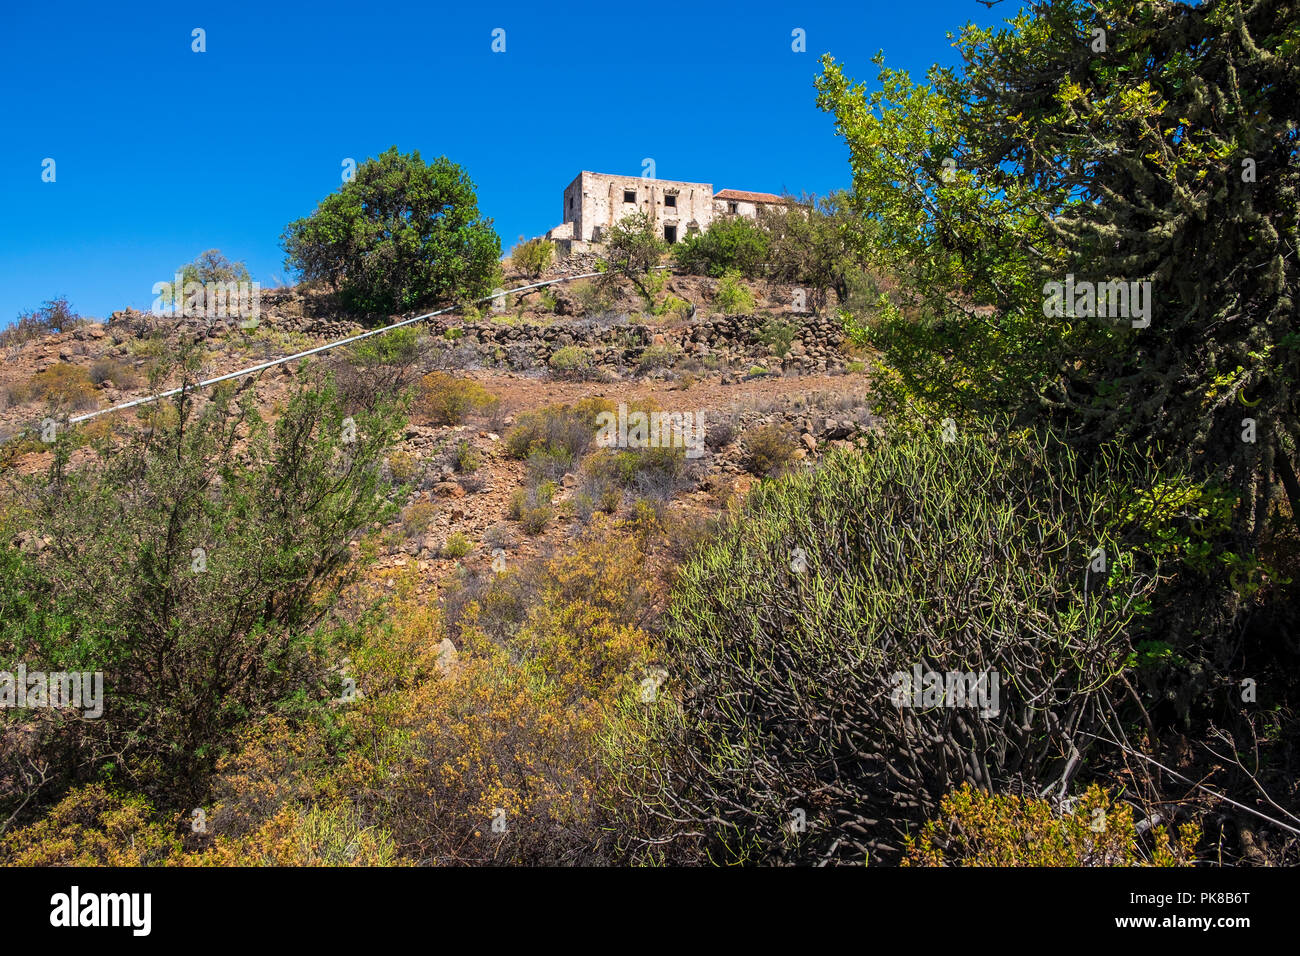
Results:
<point x="632" y="249"/>
<point x="1138" y="142"/>
<point x="1150" y="142"/>
<point x="212" y="266"/>
<point x="816" y="243"/>
<point x="400" y="235"/>
<point x="208" y="269"/>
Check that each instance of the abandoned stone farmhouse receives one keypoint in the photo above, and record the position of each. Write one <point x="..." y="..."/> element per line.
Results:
<point x="594" y="202"/>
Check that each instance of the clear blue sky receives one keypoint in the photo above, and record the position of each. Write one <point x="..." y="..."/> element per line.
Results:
<point x="162" y="152"/>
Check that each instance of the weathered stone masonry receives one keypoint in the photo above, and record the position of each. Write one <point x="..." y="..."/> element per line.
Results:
<point x="817" y="345"/>
<point x="595" y="202"/>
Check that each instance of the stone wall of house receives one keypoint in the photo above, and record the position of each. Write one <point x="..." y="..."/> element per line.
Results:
<point x="744" y="207"/>
<point x="722" y="207"/>
<point x="594" y="202"/>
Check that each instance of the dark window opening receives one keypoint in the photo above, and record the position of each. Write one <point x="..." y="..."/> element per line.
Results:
<point x="629" y="195"/>
<point x="731" y="207"/>
<point x="670" y="234"/>
<point x="670" y="201"/>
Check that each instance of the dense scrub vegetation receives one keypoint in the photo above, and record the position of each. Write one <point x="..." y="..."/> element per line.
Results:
<point x="193" y="561"/>
<point x="967" y="557"/>
<point x="1167" y="157"/>
<point x="489" y="754"/>
<point x="1162" y="157"/>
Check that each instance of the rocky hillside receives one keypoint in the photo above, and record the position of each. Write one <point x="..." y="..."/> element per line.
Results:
<point x="773" y="377"/>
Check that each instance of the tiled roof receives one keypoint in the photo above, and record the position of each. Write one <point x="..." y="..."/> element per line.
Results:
<point x="742" y="196"/>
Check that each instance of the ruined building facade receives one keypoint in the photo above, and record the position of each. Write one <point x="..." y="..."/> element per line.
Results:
<point x="594" y="202"/>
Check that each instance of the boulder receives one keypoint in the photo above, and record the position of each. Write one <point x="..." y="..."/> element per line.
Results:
<point x="448" y="489"/>
<point x="447" y="656"/>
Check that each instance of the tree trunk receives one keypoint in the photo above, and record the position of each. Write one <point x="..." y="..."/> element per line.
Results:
<point x="1287" y="474"/>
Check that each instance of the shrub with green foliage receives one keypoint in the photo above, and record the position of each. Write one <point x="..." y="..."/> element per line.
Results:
<point x="597" y="492"/>
<point x="456" y="546"/>
<point x="380" y="365"/>
<point x="465" y="459"/>
<point x="592" y="297"/>
<point x="572" y="361"/>
<point x="417" y="517"/>
<point x="567" y="428"/>
<point x="110" y="370"/>
<point x="191" y="561"/>
<point x="447" y="400"/>
<point x="549" y="463"/>
<point x="732" y="296"/>
<point x="545" y="649"/>
<point x="655" y="357"/>
<point x="532" y="507"/>
<point x="396" y="347"/>
<point x="650" y="471"/>
<point x="401" y="235"/>
<point x="737" y="243"/>
<point x="778" y="335"/>
<point x="789" y="630"/>
<point x="533" y="257"/>
<point x="403" y="467"/>
<point x="770" y="447"/>
<point x="65" y="387"/>
<point x="673" y="306"/>
<point x="93" y="826"/>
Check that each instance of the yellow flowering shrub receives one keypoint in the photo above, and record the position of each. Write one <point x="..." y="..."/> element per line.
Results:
<point x="977" y="828"/>
<point x="93" y="826"/>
